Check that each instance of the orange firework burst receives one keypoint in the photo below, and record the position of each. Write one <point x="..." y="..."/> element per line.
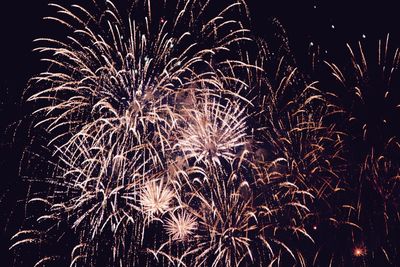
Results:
<point x="359" y="251"/>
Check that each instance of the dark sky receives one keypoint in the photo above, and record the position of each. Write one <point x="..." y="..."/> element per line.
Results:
<point x="330" y="24"/>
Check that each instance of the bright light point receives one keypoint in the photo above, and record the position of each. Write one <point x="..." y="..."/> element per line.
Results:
<point x="359" y="252"/>
<point x="333" y="26"/>
<point x="311" y="43"/>
<point x="364" y="36"/>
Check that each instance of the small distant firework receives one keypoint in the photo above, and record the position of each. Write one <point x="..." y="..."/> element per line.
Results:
<point x="359" y="252"/>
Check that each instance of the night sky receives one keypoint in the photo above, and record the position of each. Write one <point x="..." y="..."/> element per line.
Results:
<point x="327" y="24"/>
<point x="331" y="24"/>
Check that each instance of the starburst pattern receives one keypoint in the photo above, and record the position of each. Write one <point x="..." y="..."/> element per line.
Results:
<point x="213" y="132"/>
<point x="181" y="226"/>
<point x="155" y="199"/>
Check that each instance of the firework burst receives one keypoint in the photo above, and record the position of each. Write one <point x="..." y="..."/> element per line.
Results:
<point x="111" y="102"/>
<point x="213" y="132"/>
<point x="155" y="199"/>
<point x="181" y="227"/>
<point x="168" y="144"/>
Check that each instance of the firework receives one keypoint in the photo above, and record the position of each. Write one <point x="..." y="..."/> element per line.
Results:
<point x="111" y="102"/>
<point x="155" y="199"/>
<point x="359" y="252"/>
<point x="214" y="133"/>
<point x="167" y="143"/>
<point x="371" y="145"/>
<point x="181" y="226"/>
<point x="299" y="151"/>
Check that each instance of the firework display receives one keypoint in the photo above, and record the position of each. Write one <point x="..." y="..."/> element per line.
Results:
<point x="168" y="142"/>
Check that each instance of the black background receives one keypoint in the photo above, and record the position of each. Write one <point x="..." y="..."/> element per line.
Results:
<point x="305" y="21"/>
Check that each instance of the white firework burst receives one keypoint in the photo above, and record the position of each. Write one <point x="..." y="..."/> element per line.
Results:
<point x="181" y="226"/>
<point x="156" y="199"/>
<point x="227" y="221"/>
<point x="117" y="64"/>
<point x="214" y="130"/>
<point x="99" y="183"/>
